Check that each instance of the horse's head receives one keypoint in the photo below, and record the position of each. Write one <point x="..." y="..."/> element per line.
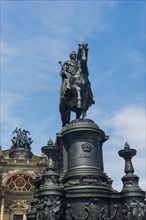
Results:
<point x="83" y="52"/>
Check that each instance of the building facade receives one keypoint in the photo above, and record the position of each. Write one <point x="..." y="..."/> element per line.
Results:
<point x="18" y="168"/>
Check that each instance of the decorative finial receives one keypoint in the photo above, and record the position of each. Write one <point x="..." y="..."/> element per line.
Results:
<point x="50" y="143"/>
<point x="126" y="146"/>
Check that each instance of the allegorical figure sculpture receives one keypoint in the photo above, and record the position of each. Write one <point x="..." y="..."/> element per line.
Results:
<point x="21" y="140"/>
<point x="49" y="209"/>
<point x="75" y="93"/>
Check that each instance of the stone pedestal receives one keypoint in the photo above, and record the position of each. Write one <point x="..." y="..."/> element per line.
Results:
<point x="85" y="183"/>
<point x="83" y="141"/>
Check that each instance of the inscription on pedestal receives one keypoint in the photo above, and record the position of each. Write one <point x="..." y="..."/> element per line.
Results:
<point x="86" y="156"/>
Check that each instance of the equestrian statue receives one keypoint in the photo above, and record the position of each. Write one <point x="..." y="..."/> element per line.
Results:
<point x="75" y="93"/>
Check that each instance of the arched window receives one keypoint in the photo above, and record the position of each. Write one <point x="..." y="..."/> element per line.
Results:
<point x="20" y="182"/>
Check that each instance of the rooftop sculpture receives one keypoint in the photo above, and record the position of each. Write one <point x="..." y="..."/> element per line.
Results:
<point x="21" y="144"/>
<point x="21" y="140"/>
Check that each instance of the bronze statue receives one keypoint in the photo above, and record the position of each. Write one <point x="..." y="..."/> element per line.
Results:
<point x="75" y="93"/>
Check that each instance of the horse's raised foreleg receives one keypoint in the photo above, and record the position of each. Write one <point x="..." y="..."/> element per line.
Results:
<point x="65" y="117"/>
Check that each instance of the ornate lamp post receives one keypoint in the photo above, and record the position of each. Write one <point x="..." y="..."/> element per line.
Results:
<point x="131" y="191"/>
<point x="50" y="177"/>
<point x="48" y="197"/>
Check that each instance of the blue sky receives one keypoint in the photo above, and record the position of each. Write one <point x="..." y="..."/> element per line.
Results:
<point x="35" y="35"/>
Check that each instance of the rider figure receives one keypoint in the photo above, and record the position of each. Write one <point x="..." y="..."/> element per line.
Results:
<point x="69" y="68"/>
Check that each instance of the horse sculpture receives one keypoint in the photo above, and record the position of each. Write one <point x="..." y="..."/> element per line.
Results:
<point x="78" y="98"/>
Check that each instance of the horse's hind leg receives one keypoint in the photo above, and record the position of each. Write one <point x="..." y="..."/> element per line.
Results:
<point x="78" y="114"/>
<point x="84" y="114"/>
<point x="68" y="117"/>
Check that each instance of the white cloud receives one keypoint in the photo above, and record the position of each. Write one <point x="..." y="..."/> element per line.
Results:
<point x="80" y="20"/>
<point x="40" y="51"/>
<point x="42" y="132"/>
<point x="8" y="120"/>
<point x="8" y="52"/>
<point x="127" y="124"/>
<point x="136" y="59"/>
